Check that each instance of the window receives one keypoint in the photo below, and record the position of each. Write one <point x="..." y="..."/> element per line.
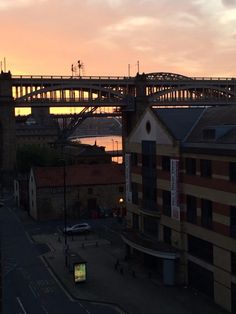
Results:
<point x="135" y="221"/>
<point x="149" y="175"/>
<point x="149" y="154"/>
<point x="134" y="159"/>
<point x="200" y="248"/>
<point x="190" y="166"/>
<point x="121" y="189"/>
<point x="233" y="221"/>
<point x="90" y="190"/>
<point x="191" y="209"/>
<point x="150" y="226"/>
<point x="149" y="189"/>
<point x="206" y="214"/>
<point x="167" y="234"/>
<point x="166" y="203"/>
<point x="232" y="171"/>
<point x="165" y="163"/>
<point x="205" y="168"/>
<point x="233" y="297"/>
<point x="201" y="279"/>
<point x="134" y="189"/>
<point x="233" y="263"/>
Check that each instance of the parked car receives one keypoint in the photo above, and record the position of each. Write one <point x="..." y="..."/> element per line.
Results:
<point x="78" y="228"/>
<point x="1" y="204"/>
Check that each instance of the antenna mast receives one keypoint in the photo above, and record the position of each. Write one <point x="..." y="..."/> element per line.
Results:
<point x="78" y="66"/>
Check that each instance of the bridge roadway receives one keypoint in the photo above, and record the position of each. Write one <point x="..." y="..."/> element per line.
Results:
<point x="163" y="89"/>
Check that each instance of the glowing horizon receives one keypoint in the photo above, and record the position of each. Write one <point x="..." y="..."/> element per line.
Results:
<point x="189" y="37"/>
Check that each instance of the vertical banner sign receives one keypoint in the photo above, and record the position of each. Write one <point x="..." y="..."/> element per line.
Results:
<point x="128" y="178"/>
<point x="174" y="181"/>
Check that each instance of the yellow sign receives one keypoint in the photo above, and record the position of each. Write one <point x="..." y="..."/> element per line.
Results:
<point x="80" y="272"/>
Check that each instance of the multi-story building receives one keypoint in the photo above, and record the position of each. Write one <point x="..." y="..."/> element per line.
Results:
<point x="38" y="128"/>
<point x="181" y="198"/>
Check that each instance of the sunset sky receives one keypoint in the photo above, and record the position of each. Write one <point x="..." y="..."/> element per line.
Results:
<point x="190" y="37"/>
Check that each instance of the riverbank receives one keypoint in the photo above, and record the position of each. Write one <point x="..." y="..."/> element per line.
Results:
<point x="103" y="126"/>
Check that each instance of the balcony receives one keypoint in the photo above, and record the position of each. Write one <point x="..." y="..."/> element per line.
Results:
<point x="144" y="244"/>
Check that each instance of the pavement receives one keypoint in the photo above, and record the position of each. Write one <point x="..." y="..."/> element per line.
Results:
<point x="127" y="287"/>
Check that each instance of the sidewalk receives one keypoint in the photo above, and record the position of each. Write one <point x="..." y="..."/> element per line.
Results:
<point x="136" y="294"/>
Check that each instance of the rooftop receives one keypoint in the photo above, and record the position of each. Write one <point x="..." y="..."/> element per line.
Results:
<point x="179" y="121"/>
<point x="79" y="175"/>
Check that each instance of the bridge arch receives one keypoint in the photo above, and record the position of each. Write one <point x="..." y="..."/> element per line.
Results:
<point x="70" y="91"/>
<point x="166" y="76"/>
<point x="192" y="91"/>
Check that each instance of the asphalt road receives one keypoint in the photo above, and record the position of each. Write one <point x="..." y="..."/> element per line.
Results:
<point x="28" y="285"/>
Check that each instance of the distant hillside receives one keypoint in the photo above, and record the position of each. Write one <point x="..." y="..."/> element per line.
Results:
<point x="99" y="126"/>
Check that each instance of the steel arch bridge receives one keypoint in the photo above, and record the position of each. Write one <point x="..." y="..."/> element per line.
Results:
<point x="161" y="89"/>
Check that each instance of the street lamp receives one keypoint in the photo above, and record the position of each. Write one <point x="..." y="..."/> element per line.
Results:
<point x="112" y="147"/>
<point x="120" y="215"/>
<point x="65" y="211"/>
<point x="117" y="151"/>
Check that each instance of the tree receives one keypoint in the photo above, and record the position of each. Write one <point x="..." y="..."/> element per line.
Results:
<point x="33" y="155"/>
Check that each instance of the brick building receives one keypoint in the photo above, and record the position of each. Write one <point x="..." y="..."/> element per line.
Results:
<point x="89" y="188"/>
<point x="181" y="200"/>
<point x="38" y="128"/>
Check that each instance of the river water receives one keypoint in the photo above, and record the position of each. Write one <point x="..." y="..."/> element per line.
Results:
<point x="111" y="143"/>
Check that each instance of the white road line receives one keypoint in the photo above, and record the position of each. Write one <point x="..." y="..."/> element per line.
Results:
<point x="61" y="286"/>
<point x="58" y="281"/>
<point x="33" y="291"/>
<point x="110" y="229"/>
<point x="29" y="238"/>
<point x="21" y="305"/>
<point x="44" y="308"/>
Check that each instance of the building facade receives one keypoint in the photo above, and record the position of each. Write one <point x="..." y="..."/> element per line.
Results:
<point x="87" y="190"/>
<point x="36" y="129"/>
<point x="181" y="201"/>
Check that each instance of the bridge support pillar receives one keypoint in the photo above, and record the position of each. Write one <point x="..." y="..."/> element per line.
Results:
<point x="130" y="118"/>
<point x="7" y="132"/>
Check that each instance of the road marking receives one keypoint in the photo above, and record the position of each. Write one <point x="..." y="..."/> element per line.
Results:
<point x="44" y="308"/>
<point x="58" y="281"/>
<point x="21" y="305"/>
<point x="33" y="291"/>
<point x="110" y="229"/>
<point x="8" y="266"/>
<point x="29" y="238"/>
<point x="62" y="287"/>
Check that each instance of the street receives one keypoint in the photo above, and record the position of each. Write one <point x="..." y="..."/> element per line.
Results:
<point x="28" y="285"/>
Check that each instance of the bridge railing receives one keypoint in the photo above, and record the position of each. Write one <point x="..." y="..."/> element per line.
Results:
<point x="55" y="77"/>
<point x="196" y="78"/>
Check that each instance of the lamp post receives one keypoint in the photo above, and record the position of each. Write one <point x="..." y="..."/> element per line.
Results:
<point x="117" y="159"/>
<point x="112" y="147"/>
<point x="65" y="211"/>
<point x="120" y="216"/>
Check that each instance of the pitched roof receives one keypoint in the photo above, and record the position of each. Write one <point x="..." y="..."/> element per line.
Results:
<point x="179" y="121"/>
<point x="221" y="121"/>
<point x="79" y="175"/>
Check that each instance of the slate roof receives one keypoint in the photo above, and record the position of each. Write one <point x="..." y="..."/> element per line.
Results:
<point x="79" y="175"/>
<point x="220" y="119"/>
<point x="179" y="121"/>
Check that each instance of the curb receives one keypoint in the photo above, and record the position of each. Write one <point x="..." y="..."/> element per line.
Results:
<point x="114" y="305"/>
